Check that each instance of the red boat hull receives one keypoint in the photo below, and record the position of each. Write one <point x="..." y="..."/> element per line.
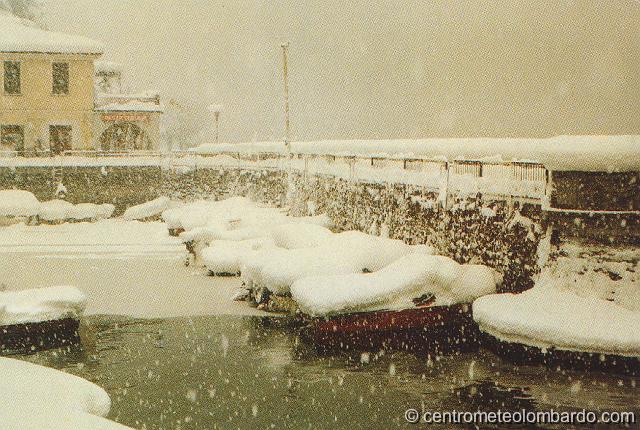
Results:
<point x="436" y="329"/>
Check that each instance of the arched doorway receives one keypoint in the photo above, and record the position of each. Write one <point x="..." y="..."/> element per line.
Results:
<point x="124" y="136"/>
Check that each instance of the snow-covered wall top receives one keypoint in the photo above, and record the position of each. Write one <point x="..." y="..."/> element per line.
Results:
<point x="108" y="67"/>
<point x="582" y="153"/>
<point x="21" y="35"/>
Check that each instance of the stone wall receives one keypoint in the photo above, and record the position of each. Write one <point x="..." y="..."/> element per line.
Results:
<point x="471" y="231"/>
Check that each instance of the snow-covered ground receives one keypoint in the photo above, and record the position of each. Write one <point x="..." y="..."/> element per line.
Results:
<point x="123" y="267"/>
<point x="41" y="304"/>
<point x="588" y="300"/>
<point x="38" y="398"/>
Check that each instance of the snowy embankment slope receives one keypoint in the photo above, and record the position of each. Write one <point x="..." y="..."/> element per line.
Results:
<point x="112" y="236"/>
<point x="41" y="304"/>
<point x="585" y="153"/>
<point x="394" y="287"/>
<point x="588" y="300"/>
<point x="37" y="398"/>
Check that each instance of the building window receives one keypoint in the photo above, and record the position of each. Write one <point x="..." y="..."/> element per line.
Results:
<point x="12" y="77"/>
<point x="60" y="78"/>
<point x="60" y="138"/>
<point x="11" y="138"/>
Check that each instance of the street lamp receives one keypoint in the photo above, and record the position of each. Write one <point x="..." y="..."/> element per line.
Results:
<point x="216" y="110"/>
<point x="285" y="66"/>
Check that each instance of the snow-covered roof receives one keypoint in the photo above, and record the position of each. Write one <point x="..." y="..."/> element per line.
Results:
<point x="144" y="102"/>
<point x="21" y="35"/>
<point x="133" y="106"/>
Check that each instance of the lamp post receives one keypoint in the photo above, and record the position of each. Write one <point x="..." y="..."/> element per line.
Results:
<point x="216" y="110"/>
<point x="287" y="137"/>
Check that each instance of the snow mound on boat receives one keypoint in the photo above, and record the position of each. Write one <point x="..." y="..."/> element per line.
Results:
<point x="236" y="218"/>
<point x="44" y="398"/>
<point x="42" y="304"/>
<point x="395" y="286"/>
<point x="61" y="210"/>
<point x="147" y="210"/>
<point x="202" y="212"/>
<point x="224" y="256"/>
<point x="86" y="211"/>
<point x="55" y="210"/>
<point x="587" y="299"/>
<point x="18" y="203"/>
<point x="300" y="235"/>
<point x="343" y="253"/>
<point x="547" y="317"/>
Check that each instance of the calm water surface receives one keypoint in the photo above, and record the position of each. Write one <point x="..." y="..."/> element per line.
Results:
<point x="243" y="370"/>
<point x="247" y="372"/>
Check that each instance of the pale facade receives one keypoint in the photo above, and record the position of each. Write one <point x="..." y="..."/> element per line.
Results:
<point x="49" y="102"/>
<point x="39" y="116"/>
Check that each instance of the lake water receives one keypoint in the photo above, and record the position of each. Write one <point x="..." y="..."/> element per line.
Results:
<point x="174" y="352"/>
<point x="243" y="372"/>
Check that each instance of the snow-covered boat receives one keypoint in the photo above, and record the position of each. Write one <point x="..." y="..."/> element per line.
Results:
<point x="582" y="313"/>
<point x="418" y="302"/>
<point x="38" y="319"/>
<point x="432" y="329"/>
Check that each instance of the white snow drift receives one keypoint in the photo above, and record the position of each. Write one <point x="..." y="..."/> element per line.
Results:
<point x="42" y="304"/>
<point x="395" y="286"/>
<point x="202" y="213"/>
<point x="36" y="397"/>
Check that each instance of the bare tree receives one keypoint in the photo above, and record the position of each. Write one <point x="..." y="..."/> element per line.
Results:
<point x="29" y="9"/>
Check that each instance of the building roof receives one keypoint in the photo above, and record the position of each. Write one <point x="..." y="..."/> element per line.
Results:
<point x="146" y="102"/>
<point x="20" y="35"/>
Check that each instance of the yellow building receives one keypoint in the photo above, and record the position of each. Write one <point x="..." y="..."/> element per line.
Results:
<point x="48" y="99"/>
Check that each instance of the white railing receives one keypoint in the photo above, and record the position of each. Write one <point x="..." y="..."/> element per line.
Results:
<point x="517" y="180"/>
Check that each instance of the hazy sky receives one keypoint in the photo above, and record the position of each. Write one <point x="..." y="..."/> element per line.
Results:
<point x="378" y="68"/>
